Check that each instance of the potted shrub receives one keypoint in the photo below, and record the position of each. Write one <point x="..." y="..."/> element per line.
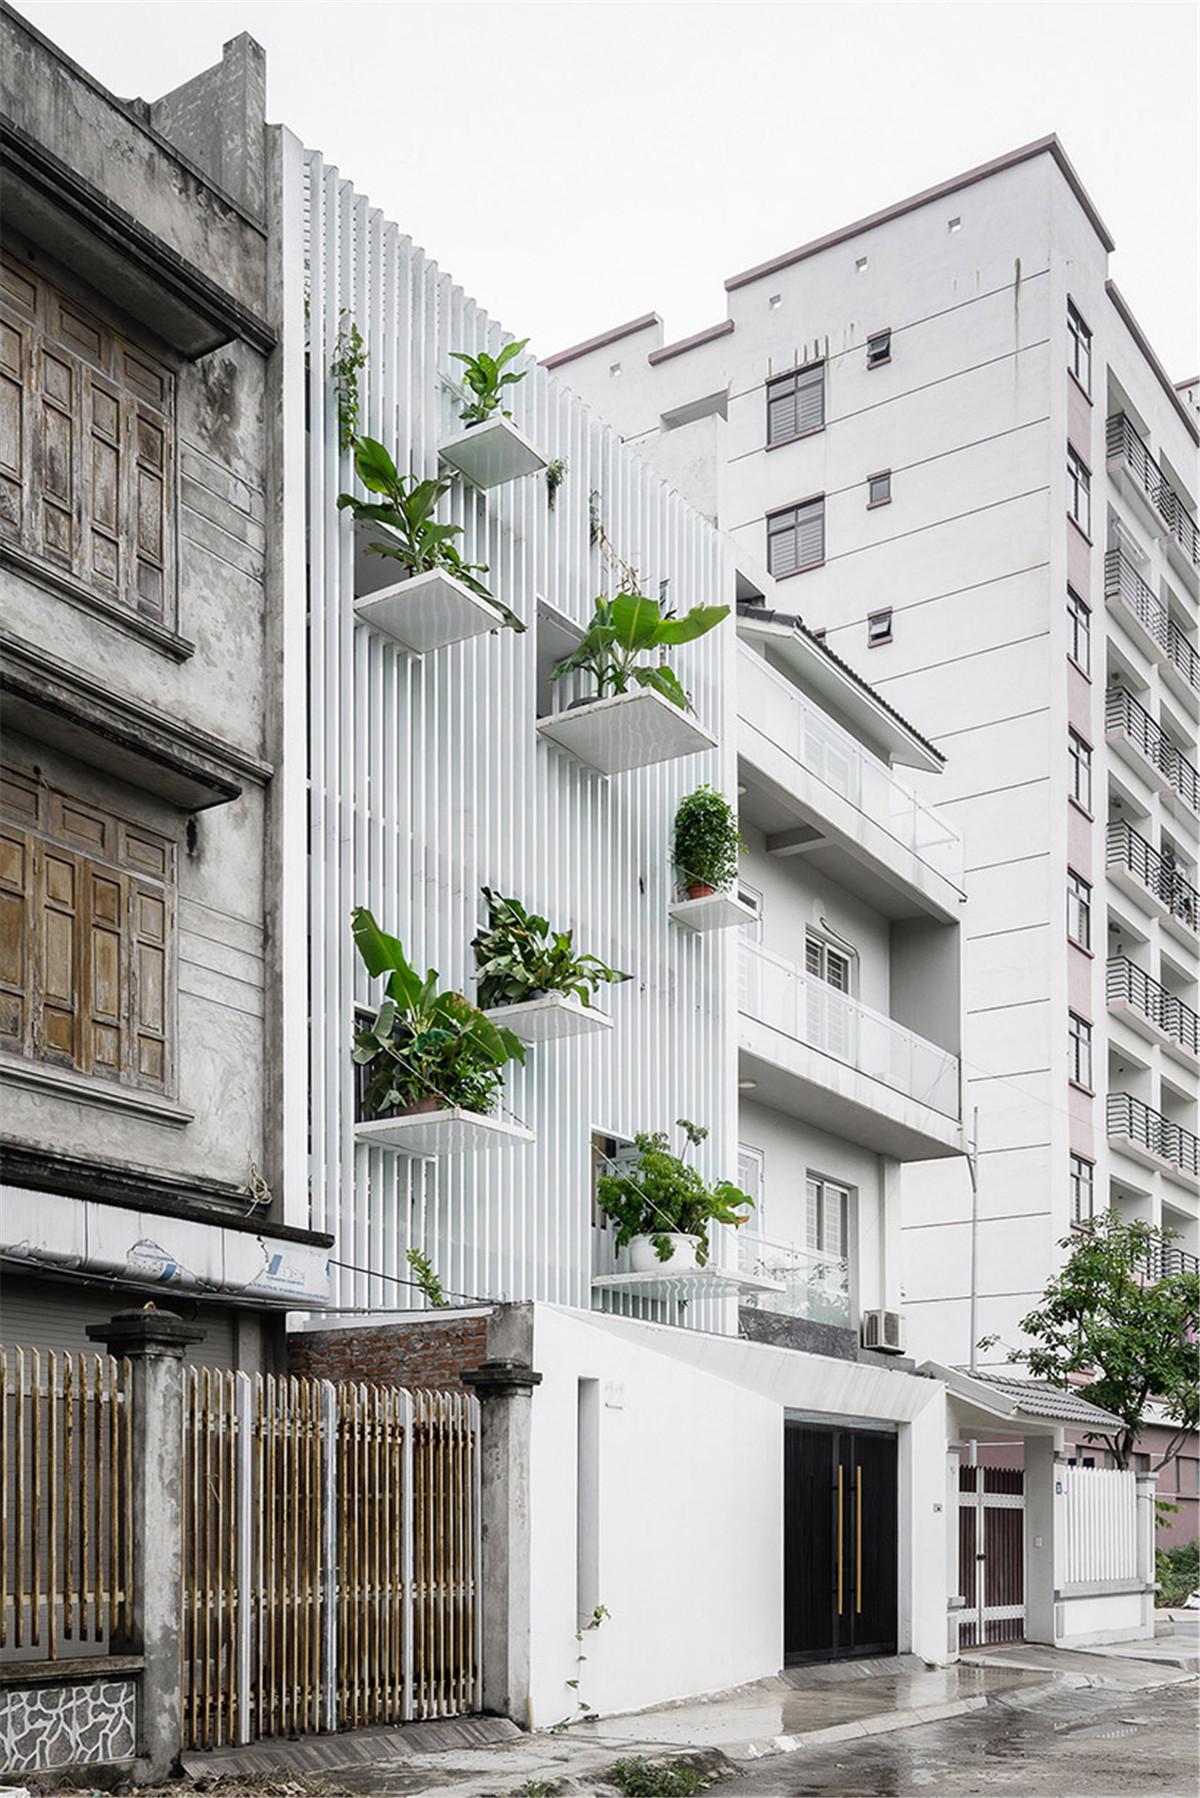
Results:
<point x="707" y="843"/>
<point x="407" y="531"/>
<point x="486" y="377"/>
<point x="426" y="1050"/>
<point x="662" y="1207"/>
<point x="519" y="957"/>
<point x="625" y="629"/>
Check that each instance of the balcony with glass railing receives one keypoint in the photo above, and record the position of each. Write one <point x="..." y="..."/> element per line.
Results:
<point x="1138" y="867"/>
<point x="1127" y="720"/>
<point x="779" y="712"/>
<point x="815" y="1285"/>
<point x="1130" y="989"/>
<point x="1164" y="640"/>
<point x="803" y="1009"/>
<point x="1127" y="451"/>
<point x="1137" y="1129"/>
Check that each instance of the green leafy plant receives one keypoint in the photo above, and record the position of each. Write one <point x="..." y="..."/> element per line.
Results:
<point x="520" y="957"/>
<point x="427" y="1279"/>
<point x="350" y="355"/>
<point x="412" y="535"/>
<point x="1177" y="1572"/>
<point x="424" y="1044"/>
<point x="556" y="474"/>
<point x="660" y="1195"/>
<point x="582" y="1709"/>
<point x="1104" y="1314"/>
<point x="707" y="840"/>
<point x="638" y="1777"/>
<point x="486" y="377"/>
<point x="595" y="526"/>
<point x="628" y="627"/>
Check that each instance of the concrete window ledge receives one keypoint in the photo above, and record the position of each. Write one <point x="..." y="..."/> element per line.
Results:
<point x="81" y="1091"/>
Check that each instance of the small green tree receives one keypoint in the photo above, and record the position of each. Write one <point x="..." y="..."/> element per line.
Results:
<point x="1109" y="1313"/>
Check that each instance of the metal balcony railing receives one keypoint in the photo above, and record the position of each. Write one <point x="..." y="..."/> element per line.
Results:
<point x="1127" y="982"/>
<point x="1125" y="713"/>
<point x="1133" y="1119"/>
<point x="1122" y="578"/>
<point x="1183" y="653"/>
<point x="1166" y="1260"/>
<point x="806" y="733"/>
<point x="1126" y="849"/>
<point x="816" y="1285"/>
<point x="797" y="1004"/>
<point x="1124" y="444"/>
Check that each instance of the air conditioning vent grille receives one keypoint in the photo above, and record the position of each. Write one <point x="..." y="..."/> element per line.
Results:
<point x="883" y="1330"/>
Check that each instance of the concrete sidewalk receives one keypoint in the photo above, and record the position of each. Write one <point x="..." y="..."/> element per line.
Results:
<point x="793" y="1712"/>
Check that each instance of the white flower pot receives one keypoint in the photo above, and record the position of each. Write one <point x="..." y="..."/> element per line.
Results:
<point x="643" y="1257"/>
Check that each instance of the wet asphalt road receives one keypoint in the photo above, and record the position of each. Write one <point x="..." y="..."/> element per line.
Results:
<point x="1080" y="1744"/>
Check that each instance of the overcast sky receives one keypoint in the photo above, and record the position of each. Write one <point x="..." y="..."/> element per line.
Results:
<point x="574" y="163"/>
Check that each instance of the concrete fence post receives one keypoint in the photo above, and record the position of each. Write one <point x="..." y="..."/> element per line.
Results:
<point x="154" y="1342"/>
<point x="504" y="1388"/>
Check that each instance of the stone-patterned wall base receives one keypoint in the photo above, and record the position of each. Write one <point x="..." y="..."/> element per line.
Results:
<point x="46" y="1727"/>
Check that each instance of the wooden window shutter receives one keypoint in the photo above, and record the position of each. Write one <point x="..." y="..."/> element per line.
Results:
<point x="56" y="899"/>
<point x="87" y="449"/>
<point x="150" y="931"/>
<point x="86" y="937"/>
<point x="16" y="893"/>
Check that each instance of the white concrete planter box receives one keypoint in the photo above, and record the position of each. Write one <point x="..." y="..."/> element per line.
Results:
<point x="427" y="611"/>
<point x="492" y="454"/>
<point x="627" y="730"/>
<point x="715" y="911"/>
<point x="552" y="1016"/>
<point x="644" y="1258"/>
<point x="448" y="1132"/>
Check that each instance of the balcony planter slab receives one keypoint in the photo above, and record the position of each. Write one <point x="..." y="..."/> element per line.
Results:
<point x="448" y="1131"/>
<point x="715" y="911"/>
<point x="549" y="1017"/>
<point x="703" y="1282"/>
<point x="626" y="730"/>
<point x="427" y="611"/>
<point x="492" y="454"/>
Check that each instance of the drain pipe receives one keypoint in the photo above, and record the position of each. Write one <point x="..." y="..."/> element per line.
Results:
<point x="973" y="1171"/>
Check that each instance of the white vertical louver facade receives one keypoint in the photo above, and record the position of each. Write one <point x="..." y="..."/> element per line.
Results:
<point x="428" y="779"/>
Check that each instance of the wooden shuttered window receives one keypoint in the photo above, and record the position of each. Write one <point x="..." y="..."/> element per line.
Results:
<point x="86" y="915"/>
<point x="87" y="453"/>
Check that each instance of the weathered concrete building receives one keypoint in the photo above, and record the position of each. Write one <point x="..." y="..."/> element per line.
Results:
<point x="142" y="791"/>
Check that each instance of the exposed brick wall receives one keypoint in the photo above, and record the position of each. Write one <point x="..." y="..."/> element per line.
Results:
<point x="409" y="1354"/>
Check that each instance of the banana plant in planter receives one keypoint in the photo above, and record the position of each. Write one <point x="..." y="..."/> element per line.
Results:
<point x="624" y="630"/>
<point x="662" y="1207"/>
<point x="407" y="533"/>
<point x="427" y="1050"/>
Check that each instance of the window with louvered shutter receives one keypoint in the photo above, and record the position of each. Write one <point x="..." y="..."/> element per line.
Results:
<point x="86" y="923"/>
<point x="87" y="446"/>
<point x="796" y="403"/>
<point x="796" y="538"/>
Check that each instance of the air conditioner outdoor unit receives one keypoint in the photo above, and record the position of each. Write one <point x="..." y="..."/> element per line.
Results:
<point x="883" y="1330"/>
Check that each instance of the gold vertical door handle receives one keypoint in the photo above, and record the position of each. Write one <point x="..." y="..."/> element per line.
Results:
<point x="858" y="1545"/>
<point x="839" y="1539"/>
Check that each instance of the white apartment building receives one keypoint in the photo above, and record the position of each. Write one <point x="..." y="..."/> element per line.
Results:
<point x="944" y="433"/>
